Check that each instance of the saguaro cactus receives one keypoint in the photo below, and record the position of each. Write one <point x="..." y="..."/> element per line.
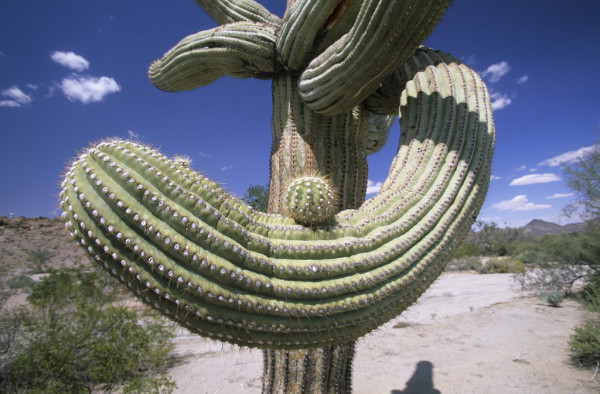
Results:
<point x="321" y="268"/>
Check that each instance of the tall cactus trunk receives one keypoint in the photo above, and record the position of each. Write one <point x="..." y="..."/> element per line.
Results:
<point x="305" y="143"/>
<point x="321" y="370"/>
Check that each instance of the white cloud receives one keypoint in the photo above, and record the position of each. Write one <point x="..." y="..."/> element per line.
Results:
<point x="500" y="100"/>
<point x="203" y="154"/>
<point x="534" y="179"/>
<point x="522" y="80"/>
<point x="16" y="97"/>
<point x="519" y="203"/>
<point x="88" y="89"/>
<point x="373" y="187"/>
<point x="226" y="168"/>
<point x="559" y="195"/>
<point x="495" y="178"/>
<point x="522" y="168"/>
<point x="495" y="72"/>
<point x="132" y="134"/>
<point x="567" y="157"/>
<point x="70" y="60"/>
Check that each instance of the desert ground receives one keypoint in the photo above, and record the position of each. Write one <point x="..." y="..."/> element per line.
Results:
<point x="469" y="333"/>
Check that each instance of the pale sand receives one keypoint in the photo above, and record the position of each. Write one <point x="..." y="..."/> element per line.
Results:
<point x="468" y="334"/>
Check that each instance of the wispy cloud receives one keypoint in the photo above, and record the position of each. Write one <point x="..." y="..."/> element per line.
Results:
<point x="70" y="60"/>
<point x="132" y="134"/>
<point x="522" y="168"/>
<point x="226" y="168"/>
<point x="15" y="97"/>
<point x="495" y="72"/>
<point x="88" y="89"/>
<point x="500" y="100"/>
<point x="535" y="178"/>
<point x="568" y="157"/>
<point x="559" y="195"/>
<point x="519" y="203"/>
<point x="495" y="178"/>
<point x="471" y="60"/>
<point x="373" y="187"/>
<point x="204" y="154"/>
<point x="522" y="79"/>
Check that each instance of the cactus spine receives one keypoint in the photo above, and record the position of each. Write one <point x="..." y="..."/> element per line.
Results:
<point x="284" y="280"/>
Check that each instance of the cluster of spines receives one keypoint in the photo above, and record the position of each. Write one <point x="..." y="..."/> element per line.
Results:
<point x="190" y="249"/>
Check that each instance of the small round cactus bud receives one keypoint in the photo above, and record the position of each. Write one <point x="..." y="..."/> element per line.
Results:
<point x="311" y="200"/>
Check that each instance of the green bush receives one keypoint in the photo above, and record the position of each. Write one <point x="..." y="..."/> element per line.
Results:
<point x="503" y="266"/>
<point x="585" y="344"/>
<point x="19" y="282"/>
<point x="591" y="292"/>
<point x="73" y="338"/>
<point x="466" y="249"/>
<point x="39" y="257"/>
<point x="553" y="298"/>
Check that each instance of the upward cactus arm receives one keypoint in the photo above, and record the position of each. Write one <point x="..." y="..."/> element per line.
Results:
<point x="379" y="130"/>
<point x="385" y="34"/>
<point x="246" y="277"/>
<point x="241" y="49"/>
<point x="303" y="21"/>
<point x="227" y="11"/>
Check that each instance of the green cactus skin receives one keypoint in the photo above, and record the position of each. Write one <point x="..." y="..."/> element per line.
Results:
<point x="348" y="71"/>
<point x="255" y="279"/>
<point x="323" y="370"/>
<point x="237" y="49"/>
<point x="228" y="11"/>
<point x="311" y="200"/>
<point x="303" y="290"/>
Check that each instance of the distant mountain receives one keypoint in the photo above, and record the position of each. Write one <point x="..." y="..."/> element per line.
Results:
<point x="538" y="227"/>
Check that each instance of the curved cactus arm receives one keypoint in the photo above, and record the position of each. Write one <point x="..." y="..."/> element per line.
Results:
<point x="303" y="21"/>
<point x="385" y="99"/>
<point x="240" y="49"/>
<point x="385" y="34"/>
<point x="227" y="272"/>
<point x="379" y="130"/>
<point x="227" y="11"/>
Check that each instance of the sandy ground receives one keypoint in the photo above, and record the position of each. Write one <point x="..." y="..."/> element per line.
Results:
<point x="468" y="334"/>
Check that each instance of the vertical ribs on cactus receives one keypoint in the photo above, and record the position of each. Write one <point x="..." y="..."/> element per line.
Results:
<point x="267" y="280"/>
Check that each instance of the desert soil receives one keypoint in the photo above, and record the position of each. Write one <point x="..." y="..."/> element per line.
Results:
<point x="469" y="333"/>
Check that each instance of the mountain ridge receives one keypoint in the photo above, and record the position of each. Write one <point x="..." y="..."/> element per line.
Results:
<point x="539" y="227"/>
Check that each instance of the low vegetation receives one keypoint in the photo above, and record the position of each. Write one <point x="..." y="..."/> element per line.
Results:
<point x="74" y="336"/>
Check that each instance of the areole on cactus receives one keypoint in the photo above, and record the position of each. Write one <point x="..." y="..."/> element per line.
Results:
<point x="322" y="267"/>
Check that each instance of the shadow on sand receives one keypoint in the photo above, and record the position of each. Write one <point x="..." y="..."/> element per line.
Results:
<point x="421" y="382"/>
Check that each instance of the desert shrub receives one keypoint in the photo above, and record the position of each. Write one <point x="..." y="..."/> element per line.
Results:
<point x="585" y="344"/>
<point x="503" y="266"/>
<point x="466" y="249"/>
<point x="553" y="298"/>
<point x="74" y="338"/>
<point x="467" y="263"/>
<point x="19" y="282"/>
<point x="591" y="292"/>
<point x="39" y="257"/>
<point x="551" y="278"/>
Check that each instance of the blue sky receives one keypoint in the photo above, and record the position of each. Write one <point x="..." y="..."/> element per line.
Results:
<point x="74" y="72"/>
